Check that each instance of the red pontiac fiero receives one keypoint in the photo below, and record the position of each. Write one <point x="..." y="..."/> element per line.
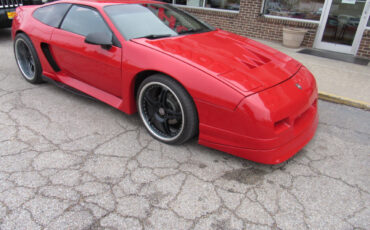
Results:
<point x="182" y="76"/>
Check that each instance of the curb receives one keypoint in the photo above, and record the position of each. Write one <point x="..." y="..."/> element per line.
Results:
<point x="344" y="101"/>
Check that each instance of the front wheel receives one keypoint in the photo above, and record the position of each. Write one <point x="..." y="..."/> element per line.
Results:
<point x="167" y="110"/>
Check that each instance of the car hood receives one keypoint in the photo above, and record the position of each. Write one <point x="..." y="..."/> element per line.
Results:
<point x="242" y="63"/>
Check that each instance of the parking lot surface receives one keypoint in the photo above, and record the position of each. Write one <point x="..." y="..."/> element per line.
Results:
<point x="68" y="162"/>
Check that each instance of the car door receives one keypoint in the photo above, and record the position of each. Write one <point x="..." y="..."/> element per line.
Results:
<point x="92" y="64"/>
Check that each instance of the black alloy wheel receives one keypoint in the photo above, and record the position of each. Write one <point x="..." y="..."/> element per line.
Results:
<point x="167" y="110"/>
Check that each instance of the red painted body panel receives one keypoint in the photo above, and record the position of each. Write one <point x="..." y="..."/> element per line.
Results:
<point x="88" y="63"/>
<point x="241" y="62"/>
<point x="245" y="92"/>
<point x="269" y="121"/>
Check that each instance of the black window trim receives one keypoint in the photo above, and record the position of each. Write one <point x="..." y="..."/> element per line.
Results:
<point x="115" y="40"/>
<point x="64" y="16"/>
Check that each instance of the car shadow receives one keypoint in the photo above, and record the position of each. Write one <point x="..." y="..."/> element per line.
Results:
<point x="5" y="34"/>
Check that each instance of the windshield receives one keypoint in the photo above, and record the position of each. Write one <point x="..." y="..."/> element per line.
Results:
<point x="153" y="21"/>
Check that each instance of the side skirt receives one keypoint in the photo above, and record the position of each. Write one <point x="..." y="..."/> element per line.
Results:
<point x="82" y="89"/>
<point x="67" y="88"/>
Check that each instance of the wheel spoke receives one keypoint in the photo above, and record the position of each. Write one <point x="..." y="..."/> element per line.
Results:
<point x="151" y="114"/>
<point x="22" y="51"/>
<point x="166" y="127"/>
<point x="173" y="115"/>
<point x="163" y="97"/>
<point x="161" y="124"/>
<point x="25" y="52"/>
<point x="149" y="99"/>
<point x="32" y="62"/>
<point x="31" y="66"/>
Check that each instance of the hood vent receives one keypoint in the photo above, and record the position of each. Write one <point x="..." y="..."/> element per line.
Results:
<point x="253" y="59"/>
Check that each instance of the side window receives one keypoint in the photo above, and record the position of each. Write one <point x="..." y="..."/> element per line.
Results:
<point x="51" y="15"/>
<point x="83" y="21"/>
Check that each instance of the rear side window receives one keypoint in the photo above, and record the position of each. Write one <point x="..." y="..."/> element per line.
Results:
<point x="51" y="15"/>
<point x="83" y="21"/>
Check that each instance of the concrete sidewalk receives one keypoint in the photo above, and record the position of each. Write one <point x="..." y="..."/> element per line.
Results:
<point x="337" y="78"/>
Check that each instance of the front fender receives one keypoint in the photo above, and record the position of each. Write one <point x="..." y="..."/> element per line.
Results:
<point x="200" y="85"/>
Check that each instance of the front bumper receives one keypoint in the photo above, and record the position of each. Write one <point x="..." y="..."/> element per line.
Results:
<point x="271" y="126"/>
<point x="270" y="156"/>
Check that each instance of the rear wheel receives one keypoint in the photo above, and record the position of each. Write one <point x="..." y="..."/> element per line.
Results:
<point x="167" y="110"/>
<point x="27" y="59"/>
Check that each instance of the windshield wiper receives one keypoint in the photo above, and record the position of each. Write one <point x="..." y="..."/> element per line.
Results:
<point x="191" y="30"/>
<point x="154" y="36"/>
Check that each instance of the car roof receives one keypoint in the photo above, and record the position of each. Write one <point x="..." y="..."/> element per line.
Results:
<point x="110" y="2"/>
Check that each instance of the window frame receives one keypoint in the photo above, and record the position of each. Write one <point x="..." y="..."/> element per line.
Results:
<point x="204" y="7"/>
<point x="288" y="18"/>
<point x="115" y="40"/>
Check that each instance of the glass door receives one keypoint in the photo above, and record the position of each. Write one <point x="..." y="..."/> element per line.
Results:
<point x="342" y="25"/>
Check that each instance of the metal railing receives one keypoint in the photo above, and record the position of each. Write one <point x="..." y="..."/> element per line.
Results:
<point x="10" y="3"/>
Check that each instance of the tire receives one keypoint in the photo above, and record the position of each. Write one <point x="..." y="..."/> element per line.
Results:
<point x="167" y="110"/>
<point x="27" y="59"/>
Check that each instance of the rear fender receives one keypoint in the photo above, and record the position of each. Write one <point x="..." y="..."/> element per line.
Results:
<point x="19" y="21"/>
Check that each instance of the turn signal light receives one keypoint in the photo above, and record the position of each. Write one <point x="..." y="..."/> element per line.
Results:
<point x="11" y="15"/>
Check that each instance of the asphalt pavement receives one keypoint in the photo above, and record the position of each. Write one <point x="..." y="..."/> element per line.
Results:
<point x="68" y="162"/>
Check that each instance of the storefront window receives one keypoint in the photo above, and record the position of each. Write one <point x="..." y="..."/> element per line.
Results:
<point x="300" y="9"/>
<point x="196" y="3"/>
<point x="215" y="4"/>
<point x="224" y="4"/>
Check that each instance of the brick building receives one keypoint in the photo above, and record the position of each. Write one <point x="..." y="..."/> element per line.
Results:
<point x="336" y="25"/>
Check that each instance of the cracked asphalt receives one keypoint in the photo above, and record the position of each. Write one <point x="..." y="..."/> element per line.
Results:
<point x="68" y="162"/>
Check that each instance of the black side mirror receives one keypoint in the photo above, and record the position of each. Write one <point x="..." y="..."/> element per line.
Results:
<point x="100" y="38"/>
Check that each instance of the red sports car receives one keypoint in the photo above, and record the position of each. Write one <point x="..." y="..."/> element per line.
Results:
<point x="182" y="76"/>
